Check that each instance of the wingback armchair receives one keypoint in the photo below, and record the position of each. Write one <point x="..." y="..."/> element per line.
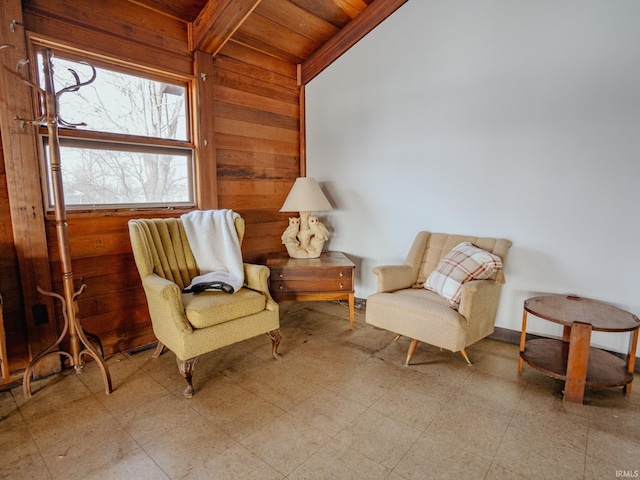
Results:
<point x="192" y="324"/>
<point x="402" y="304"/>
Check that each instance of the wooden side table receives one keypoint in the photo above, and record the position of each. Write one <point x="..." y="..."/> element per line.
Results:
<point x="328" y="277"/>
<point x="572" y="359"/>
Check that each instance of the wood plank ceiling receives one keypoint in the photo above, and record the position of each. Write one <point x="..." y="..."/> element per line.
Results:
<point x="309" y="33"/>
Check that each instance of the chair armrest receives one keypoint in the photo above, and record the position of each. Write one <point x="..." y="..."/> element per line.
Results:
<point x="256" y="277"/>
<point x="395" y="277"/>
<point x="479" y="304"/>
<point x="165" y="304"/>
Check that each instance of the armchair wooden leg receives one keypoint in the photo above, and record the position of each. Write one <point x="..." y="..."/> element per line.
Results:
<point x="275" y="337"/>
<point x="397" y="337"/>
<point x="158" y="351"/>
<point x="412" y="349"/>
<point x="186" y="368"/>
<point x="466" y="357"/>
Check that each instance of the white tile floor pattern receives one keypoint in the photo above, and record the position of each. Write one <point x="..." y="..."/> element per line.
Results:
<point x="338" y="405"/>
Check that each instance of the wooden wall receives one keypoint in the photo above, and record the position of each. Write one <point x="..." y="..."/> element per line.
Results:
<point x="257" y="124"/>
<point x="117" y="29"/>
<point x="256" y="137"/>
<point x="13" y="309"/>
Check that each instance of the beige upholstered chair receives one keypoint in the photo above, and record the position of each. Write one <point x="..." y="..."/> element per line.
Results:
<point x="404" y="307"/>
<point x="193" y="324"/>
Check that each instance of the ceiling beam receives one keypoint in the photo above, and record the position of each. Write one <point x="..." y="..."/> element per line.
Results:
<point x="351" y="34"/>
<point x="217" y="22"/>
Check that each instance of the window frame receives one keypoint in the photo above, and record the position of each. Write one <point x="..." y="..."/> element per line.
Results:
<point x="117" y="141"/>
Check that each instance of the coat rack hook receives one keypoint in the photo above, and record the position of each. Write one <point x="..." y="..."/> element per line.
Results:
<point x="12" y="25"/>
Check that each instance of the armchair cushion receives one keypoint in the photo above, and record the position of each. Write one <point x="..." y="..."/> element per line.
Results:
<point x="213" y="308"/>
<point x="463" y="263"/>
<point x="445" y="328"/>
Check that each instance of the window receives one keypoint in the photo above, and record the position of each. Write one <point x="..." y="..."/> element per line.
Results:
<point x="130" y="142"/>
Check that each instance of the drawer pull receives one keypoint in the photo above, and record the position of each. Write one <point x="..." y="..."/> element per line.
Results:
<point x="281" y="276"/>
<point x="280" y="287"/>
<point x="341" y="274"/>
<point x="341" y="286"/>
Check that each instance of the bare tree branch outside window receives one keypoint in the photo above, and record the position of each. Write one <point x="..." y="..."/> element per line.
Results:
<point x="116" y="172"/>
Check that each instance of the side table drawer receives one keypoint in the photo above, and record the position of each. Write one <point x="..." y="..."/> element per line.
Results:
<point x="311" y="285"/>
<point x="312" y="280"/>
<point x="328" y="277"/>
<point x="308" y="274"/>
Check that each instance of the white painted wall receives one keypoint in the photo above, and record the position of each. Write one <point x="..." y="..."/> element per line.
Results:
<point x="499" y="118"/>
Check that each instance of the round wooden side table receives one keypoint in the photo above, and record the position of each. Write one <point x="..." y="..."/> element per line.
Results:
<point x="572" y="359"/>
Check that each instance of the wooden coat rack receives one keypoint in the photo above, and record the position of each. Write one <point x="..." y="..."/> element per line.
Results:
<point x="49" y="116"/>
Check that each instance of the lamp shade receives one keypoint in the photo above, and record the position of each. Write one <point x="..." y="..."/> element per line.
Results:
<point x="306" y="196"/>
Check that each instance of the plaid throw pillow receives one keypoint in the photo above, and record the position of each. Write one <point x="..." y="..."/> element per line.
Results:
<point x="463" y="263"/>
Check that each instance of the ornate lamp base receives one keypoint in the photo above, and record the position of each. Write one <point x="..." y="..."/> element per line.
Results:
<point x="305" y="236"/>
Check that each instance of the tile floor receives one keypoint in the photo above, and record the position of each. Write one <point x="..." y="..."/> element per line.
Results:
<point x="338" y="405"/>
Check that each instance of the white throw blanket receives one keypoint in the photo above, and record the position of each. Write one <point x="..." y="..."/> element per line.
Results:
<point x="216" y="248"/>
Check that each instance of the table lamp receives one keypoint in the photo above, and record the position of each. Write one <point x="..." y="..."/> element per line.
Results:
<point x="305" y="236"/>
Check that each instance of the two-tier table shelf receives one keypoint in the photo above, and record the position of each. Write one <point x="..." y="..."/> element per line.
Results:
<point x="573" y="359"/>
